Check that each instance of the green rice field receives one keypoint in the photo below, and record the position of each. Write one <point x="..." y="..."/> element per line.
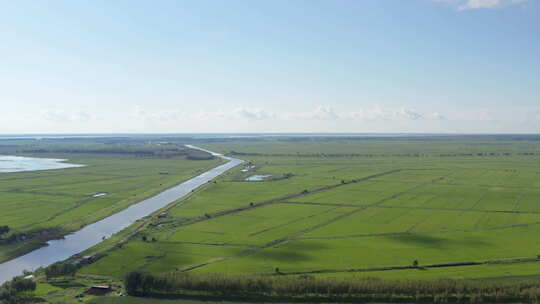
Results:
<point x="460" y="208"/>
<point x="48" y="204"/>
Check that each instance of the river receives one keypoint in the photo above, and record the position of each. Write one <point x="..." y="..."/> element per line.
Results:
<point x="59" y="250"/>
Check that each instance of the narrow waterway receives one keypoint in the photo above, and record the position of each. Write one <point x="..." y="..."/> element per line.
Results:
<point x="59" y="250"/>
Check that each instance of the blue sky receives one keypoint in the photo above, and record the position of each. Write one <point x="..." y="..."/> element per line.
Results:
<point x="452" y="66"/>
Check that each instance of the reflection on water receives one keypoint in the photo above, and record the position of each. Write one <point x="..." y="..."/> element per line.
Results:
<point x="257" y="178"/>
<point x="59" y="250"/>
<point x="10" y="164"/>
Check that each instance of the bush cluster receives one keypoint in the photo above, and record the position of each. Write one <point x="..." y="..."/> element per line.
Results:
<point x="13" y="292"/>
<point x="61" y="269"/>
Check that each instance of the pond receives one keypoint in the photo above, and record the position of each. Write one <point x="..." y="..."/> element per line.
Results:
<point x="9" y="164"/>
<point x="258" y="178"/>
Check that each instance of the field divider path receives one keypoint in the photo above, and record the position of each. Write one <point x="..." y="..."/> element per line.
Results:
<point x="475" y="203"/>
<point x="321" y="204"/>
<point x="294" y="235"/>
<point x="293" y="221"/>
<point x="352" y="236"/>
<point x="461" y="209"/>
<point x="418" y="207"/>
<point x="20" y="191"/>
<point x="282" y="199"/>
<point x="362" y="208"/>
<point x="76" y="205"/>
<point x="517" y="201"/>
<point x="208" y="244"/>
<point x="27" y="188"/>
<point x="408" y="267"/>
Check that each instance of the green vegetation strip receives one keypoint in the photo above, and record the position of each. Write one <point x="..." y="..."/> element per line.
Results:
<point x="440" y="210"/>
<point x="423" y="267"/>
<point x="306" y="288"/>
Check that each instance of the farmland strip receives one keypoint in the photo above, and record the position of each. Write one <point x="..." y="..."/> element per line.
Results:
<point x="389" y="268"/>
<point x="419" y="208"/>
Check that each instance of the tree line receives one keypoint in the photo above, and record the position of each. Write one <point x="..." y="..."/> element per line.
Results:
<point x="377" y="155"/>
<point x="13" y="237"/>
<point x="142" y="151"/>
<point x="15" y="291"/>
<point x="330" y="289"/>
<point x="61" y="269"/>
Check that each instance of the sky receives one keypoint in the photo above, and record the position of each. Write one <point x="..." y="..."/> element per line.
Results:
<point x="254" y="66"/>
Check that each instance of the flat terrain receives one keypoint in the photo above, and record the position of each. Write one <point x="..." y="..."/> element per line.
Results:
<point x="461" y="208"/>
<point x="45" y="204"/>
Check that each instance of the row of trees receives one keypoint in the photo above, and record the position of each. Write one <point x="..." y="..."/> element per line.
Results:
<point x="372" y="155"/>
<point x="290" y="287"/>
<point x="138" y="150"/>
<point x="4" y="230"/>
<point x="14" y="237"/>
<point x="14" y="291"/>
<point x="61" y="269"/>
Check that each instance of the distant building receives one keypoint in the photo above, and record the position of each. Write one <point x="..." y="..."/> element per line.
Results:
<point x="99" y="290"/>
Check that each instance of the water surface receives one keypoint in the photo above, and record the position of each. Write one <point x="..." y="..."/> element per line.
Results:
<point x="10" y="164"/>
<point x="258" y="178"/>
<point x="59" y="250"/>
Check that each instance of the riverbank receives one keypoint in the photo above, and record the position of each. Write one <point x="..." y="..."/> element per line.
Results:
<point x="94" y="233"/>
<point x="29" y="240"/>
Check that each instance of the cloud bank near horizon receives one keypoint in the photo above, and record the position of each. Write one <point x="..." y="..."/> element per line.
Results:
<point x="325" y="113"/>
<point x="320" y="119"/>
<point x="463" y="5"/>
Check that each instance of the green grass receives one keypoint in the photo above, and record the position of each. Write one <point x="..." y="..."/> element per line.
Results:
<point x="436" y="209"/>
<point x="58" y="197"/>
<point x="44" y="289"/>
<point x="62" y="199"/>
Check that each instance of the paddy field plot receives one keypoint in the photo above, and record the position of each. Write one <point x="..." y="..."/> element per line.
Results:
<point x="346" y="213"/>
<point x="61" y="201"/>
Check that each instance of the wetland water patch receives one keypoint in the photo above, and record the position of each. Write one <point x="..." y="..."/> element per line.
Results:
<point x="100" y="194"/>
<point x="258" y="178"/>
<point x="10" y="164"/>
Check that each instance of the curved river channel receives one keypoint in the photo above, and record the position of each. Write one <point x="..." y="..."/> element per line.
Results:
<point x="59" y="250"/>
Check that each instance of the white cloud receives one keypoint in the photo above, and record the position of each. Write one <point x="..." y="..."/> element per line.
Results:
<point x="244" y="119"/>
<point x="319" y="113"/>
<point x="379" y="113"/>
<point x="171" y="115"/>
<point x="435" y="116"/>
<point x="408" y="114"/>
<point x="67" y="116"/>
<point x="252" y="114"/>
<point x="480" y="4"/>
<point x="140" y="113"/>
